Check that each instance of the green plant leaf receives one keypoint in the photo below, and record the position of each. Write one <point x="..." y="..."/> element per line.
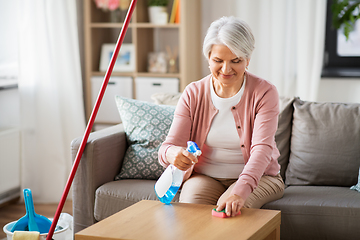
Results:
<point x="163" y="3"/>
<point x="344" y="15"/>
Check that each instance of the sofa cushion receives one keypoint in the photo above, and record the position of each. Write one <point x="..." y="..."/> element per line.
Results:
<point x="283" y="133"/>
<point x="325" y="144"/>
<point x="316" y="212"/>
<point x="146" y="126"/>
<point x="166" y="98"/>
<point x="117" y="195"/>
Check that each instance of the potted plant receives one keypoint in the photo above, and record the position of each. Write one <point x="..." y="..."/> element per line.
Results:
<point x="158" y="11"/>
<point x="345" y="13"/>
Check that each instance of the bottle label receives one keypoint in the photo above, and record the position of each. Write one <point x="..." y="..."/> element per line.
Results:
<point x="164" y="182"/>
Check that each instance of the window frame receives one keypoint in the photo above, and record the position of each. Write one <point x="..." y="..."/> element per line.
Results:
<point x="335" y="66"/>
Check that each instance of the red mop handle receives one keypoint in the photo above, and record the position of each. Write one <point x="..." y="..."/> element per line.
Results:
<point x="92" y="119"/>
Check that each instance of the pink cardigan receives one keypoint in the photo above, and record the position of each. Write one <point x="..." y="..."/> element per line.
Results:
<point x="256" y="118"/>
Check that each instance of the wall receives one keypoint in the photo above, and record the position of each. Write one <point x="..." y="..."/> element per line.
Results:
<point x="330" y="89"/>
<point x="9" y="95"/>
<point x="339" y="90"/>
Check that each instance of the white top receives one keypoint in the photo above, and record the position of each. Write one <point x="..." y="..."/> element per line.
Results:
<point x="221" y="154"/>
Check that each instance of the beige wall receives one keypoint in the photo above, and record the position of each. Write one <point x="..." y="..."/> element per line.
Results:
<point x="339" y="90"/>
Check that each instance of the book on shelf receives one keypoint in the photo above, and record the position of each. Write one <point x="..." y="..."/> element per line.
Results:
<point x="177" y="15"/>
<point x="174" y="12"/>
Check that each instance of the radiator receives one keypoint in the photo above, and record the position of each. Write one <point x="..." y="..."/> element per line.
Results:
<point x="9" y="164"/>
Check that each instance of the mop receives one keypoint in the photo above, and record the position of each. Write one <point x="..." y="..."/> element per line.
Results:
<point x="92" y="119"/>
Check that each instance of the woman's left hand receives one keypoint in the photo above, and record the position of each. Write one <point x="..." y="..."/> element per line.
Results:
<point x="232" y="205"/>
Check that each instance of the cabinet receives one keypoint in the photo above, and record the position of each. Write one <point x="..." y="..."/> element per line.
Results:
<point x="108" y="112"/>
<point x="10" y="164"/>
<point x="146" y="38"/>
<point x="147" y="86"/>
<point x="9" y="141"/>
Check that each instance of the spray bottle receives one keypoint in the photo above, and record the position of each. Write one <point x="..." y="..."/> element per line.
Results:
<point x="170" y="181"/>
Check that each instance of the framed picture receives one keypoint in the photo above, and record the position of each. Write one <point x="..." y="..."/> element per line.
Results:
<point x="125" y="61"/>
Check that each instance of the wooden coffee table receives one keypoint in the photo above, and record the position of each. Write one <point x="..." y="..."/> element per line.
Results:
<point x="155" y="220"/>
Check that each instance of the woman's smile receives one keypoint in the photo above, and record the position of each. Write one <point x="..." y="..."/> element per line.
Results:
<point x="226" y="75"/>
<point x="227" y="70"/>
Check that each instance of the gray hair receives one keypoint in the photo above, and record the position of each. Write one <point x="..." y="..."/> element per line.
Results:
<point x="231" y="32"/>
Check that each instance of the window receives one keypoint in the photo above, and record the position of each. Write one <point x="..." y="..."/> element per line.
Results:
<point x="342" y="57"/>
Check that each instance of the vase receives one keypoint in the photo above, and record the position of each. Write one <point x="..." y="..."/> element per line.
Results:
<point x="117" y="16"/>
<point x="158" y="15"/>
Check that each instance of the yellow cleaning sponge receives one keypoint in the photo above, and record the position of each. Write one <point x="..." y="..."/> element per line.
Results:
<point x="26" y="235"/>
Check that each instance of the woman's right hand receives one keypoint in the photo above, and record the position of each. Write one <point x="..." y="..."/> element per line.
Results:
<point x="180" y="158"/>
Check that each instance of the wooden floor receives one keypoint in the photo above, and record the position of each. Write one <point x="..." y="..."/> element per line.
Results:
<point x="14" y="211"/>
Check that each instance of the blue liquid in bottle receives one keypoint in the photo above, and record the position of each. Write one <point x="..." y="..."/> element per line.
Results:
<point x="170" y="181"/>
<point x="169" y="195"/>
<point x="168" y="184"/>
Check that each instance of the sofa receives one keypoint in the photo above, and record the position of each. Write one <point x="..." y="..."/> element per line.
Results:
<point x="319" y="147"/>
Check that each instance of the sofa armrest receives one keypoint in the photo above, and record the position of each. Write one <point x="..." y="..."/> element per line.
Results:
<point x="100" y="162"/>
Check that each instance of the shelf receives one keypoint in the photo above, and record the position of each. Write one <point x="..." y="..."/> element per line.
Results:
<point x="146" y="38"/>
<point x="127" y="74"/>
<point x="131" y="25"/>
<point x="160" y="75"/>
<point x="8" y="83"/>
<point x="108" y="25"/>
<point x="139" y="74"/>
<point x="340" y="72"/>
<point x="149" y="25"/>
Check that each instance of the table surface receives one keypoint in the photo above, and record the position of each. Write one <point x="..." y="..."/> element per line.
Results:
<point x="155" y="220"/>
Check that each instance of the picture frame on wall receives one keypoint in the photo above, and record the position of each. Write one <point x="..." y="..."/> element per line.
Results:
<point x="125" y="61"/>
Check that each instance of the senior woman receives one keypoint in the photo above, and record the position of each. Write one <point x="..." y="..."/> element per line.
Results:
<point x="232" y="115"/>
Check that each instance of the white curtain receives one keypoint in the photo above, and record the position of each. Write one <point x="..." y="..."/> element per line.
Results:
<point x="289" y="37"/>
<point x="51" y="101"/>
